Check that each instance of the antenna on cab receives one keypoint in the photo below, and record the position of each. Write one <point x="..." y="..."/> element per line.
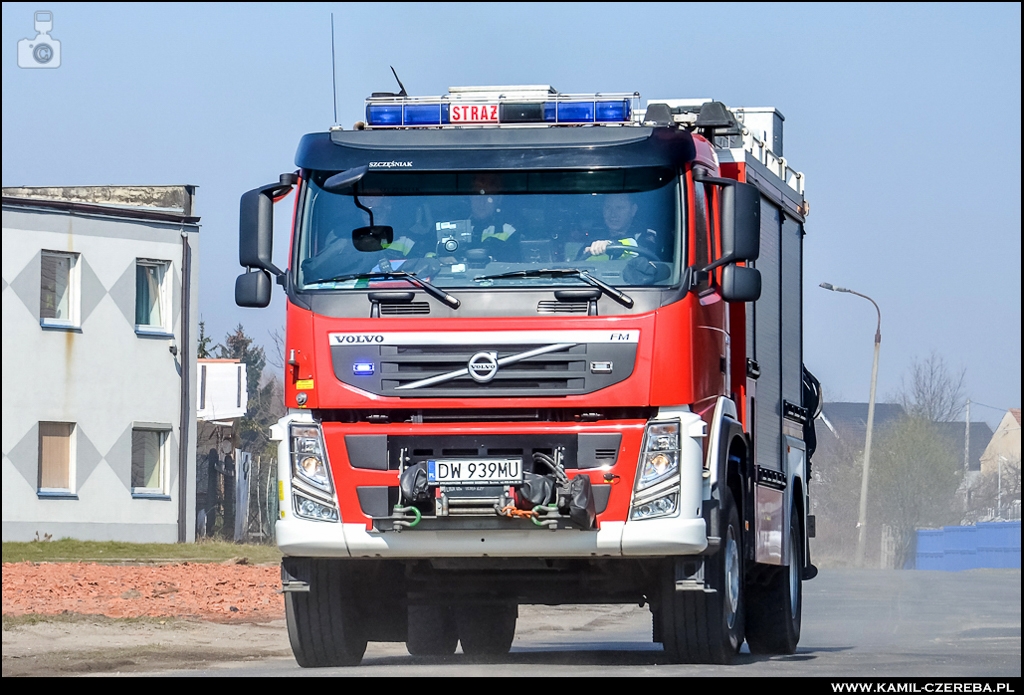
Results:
<point x="334" y="72"/>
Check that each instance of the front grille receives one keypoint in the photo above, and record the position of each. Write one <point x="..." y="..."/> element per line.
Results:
<point x="559" y="373"/>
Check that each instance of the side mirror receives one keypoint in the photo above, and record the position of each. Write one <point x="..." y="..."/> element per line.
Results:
<point x="741" y="222"/>
<point x="740" y="284"/>
<point x="252" y="289"/>
<point x="373" y="238"/>
<point x="256" y="224"/>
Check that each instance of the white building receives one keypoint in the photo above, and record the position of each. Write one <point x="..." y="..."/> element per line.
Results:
<point x="99" y="372"/>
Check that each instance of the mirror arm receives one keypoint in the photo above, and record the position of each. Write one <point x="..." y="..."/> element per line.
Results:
<point x="700" y="176"/>
<point x="368" y="211"/>
<point x="724" y="260"/>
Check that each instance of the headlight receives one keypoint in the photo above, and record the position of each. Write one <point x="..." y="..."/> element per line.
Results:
<point x="660" y="458"/>
<point x="308" y="460"/>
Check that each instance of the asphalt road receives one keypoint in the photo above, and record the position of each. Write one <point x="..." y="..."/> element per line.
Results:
<point x="855" y="623"/>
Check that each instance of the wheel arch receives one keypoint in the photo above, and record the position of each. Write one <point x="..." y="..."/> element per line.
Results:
<point x="728" y="464"/>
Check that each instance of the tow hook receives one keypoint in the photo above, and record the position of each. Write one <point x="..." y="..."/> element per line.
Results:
<point x="403" y="521"/>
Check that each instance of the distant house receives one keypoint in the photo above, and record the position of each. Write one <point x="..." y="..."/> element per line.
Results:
<point x="99" y="328"/>
<point x="221" y="399"/>
<point x="1004" y="444"/>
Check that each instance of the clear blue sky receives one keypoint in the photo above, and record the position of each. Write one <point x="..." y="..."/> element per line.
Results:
<point x="906" y="120"/>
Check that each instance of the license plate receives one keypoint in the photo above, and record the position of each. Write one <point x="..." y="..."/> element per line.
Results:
<point x="475" y="471"/>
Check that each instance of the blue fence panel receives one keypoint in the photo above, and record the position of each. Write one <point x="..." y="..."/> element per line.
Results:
<point x="961" y="548"/>
<point x="991" y="544"/>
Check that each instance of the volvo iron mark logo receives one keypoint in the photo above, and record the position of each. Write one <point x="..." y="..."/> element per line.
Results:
<point x="483" y="366"/>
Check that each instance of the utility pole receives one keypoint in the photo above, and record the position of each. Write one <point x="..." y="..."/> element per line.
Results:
<point x="967" y="439"/>
<point x="862" y="521"/>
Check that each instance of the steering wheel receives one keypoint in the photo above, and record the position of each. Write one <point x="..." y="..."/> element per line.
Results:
<point x="638" y="250"/>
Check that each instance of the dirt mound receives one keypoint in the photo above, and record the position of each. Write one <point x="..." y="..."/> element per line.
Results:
<point x="223" y="592"/>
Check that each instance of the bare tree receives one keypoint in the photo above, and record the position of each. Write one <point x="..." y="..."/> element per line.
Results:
<point x="932" y="391"/>
<point x="275" y="356"/>
<point x="990" y="497"/>
<point x="914" y="480"/>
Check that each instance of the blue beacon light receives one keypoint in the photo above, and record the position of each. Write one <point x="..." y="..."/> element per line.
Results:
<point x="428" y="113"/>
<point x="362" y="368"/>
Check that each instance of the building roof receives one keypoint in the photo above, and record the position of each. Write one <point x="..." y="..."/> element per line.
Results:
<point x="163" y="203"/>
<point x="981" y="435"/>
<point x="847" y="423"/>
<point x="1015" y="412"/>
<point x="850" y="420"/>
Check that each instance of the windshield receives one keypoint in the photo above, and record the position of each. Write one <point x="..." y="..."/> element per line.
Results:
<point x="454" y="228"/>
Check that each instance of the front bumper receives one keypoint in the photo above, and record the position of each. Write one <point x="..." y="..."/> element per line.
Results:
<point x="650" y="537"/>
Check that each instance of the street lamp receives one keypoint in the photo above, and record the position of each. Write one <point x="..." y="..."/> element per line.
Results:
<point x="862" y="517"/>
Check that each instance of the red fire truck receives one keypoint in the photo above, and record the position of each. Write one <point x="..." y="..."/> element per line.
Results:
<point x="542" y="348"/>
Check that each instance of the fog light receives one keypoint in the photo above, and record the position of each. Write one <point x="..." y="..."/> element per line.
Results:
<point x="316" y="511"/>
<point x="661" y="506"/>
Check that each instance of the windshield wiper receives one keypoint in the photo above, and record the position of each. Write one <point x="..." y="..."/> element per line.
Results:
<point x="413" y="279"/>
<point x="584" y="275"/>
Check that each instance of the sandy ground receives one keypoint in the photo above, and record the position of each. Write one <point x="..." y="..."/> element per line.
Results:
<point x="87" y="617"/>
<point x="227" y="591"/>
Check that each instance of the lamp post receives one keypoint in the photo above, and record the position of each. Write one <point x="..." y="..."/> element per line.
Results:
<point x="862" y="516"/>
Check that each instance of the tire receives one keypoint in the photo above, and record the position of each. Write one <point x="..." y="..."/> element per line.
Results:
<point x="486" y="630"/>
<point x="325" y="626"/>
<point x="707" y="626"/>
<point x="775" y="608"/>
<point x="432" y="631"/>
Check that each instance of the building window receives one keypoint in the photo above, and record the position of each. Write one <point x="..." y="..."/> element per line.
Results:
<point x="152" y="308"/>
<point x="56" y="458"/>
<point x="149" y="461"/>
<point x="58" y="290"/>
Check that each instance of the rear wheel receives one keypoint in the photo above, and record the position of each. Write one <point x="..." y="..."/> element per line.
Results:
<point x="325" y="625"/>
<point x="701" y="626"/>
<point x="432" y="631"/>
<point x="488" y="629"/>
<point x="776" y="607"/>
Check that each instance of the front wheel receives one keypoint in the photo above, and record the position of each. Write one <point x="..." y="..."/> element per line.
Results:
<point x="326" y="626"/>
<point x="706" y="625"/>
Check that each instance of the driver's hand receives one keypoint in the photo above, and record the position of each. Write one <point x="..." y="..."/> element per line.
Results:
<point x="598" y="247"/>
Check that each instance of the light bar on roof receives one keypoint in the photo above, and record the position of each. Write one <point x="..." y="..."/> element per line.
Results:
<point x="492" y="108"/>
